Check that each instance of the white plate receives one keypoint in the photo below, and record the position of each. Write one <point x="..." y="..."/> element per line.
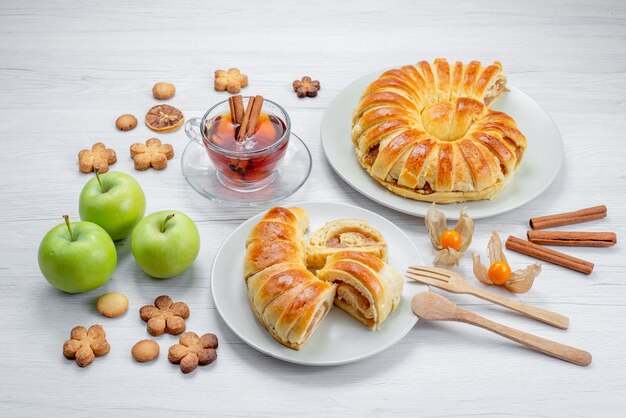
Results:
<point x="340" y="338"/>
<point x="539" y="168"/>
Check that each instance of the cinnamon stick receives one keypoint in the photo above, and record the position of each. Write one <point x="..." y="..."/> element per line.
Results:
<point x="572" y="238"/>
<point x="236" y="109"/>
<point x="241" y="135"/>
<point x="250" y="118"/>
<point x="254" y="116"/>
<point x="549" y="255"/>
<point x="567" y="218"/>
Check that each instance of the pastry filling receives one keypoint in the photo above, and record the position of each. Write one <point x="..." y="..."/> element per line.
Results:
<point x="495" y="91"/>
<point x="354" y="298"/>
<point x="319" y="315"/>
<point x="350" y="239"/>
<point x="427" y="189"/>
<point x="370" y="157"/>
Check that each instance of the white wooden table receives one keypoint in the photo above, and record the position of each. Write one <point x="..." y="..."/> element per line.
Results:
<point x="67" y="70"/>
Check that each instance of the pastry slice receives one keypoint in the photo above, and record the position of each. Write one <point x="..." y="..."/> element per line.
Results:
<point x="341" y="235"/>
<point x="367" y="287"/>
<point x="290" y="302"/>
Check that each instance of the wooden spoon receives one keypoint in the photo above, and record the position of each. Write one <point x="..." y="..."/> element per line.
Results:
<point x="429" y="305"/>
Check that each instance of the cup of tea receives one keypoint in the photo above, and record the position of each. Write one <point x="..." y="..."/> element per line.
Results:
<point x="243" y="162"/>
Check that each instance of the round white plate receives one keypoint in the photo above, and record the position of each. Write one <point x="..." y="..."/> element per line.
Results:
<point x="339" y="338"/>
<point x="539" y="168"/>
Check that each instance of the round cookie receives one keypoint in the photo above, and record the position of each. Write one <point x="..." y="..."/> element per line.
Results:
<point x="163" y="91"/>
<point x="145" y="350"/>
<point x="126" y="122"/>
<point x="112" y="304"/>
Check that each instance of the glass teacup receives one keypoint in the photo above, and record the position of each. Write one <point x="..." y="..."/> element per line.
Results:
<point x="246" y="165"/>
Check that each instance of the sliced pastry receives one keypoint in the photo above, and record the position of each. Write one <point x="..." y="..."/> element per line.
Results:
<point x="290" y="302"/>
<point x="341" y="235"/>
<point x="287" y="299"/>
<point x="367" y="287"/>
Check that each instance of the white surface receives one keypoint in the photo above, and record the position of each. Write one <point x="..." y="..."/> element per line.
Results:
<point x="540" y="164"/>
<point x="67" y="70"/>
<point x="340" y="339"/>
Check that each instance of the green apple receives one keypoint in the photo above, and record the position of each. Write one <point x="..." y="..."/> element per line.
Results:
<point x="113" y="200"/>
<point x="77" y="257"/>
<point x="165" y="243"/>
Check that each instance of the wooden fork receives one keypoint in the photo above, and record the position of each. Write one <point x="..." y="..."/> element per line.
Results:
<point x="455" y="283"/>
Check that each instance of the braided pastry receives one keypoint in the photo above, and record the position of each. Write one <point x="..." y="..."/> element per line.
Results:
<point x="287" y="299"/>
<point x="426" y="132"/>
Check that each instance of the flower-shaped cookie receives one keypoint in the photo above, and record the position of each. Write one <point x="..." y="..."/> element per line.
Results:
<point x="499" y="271"/>
<point x="306" y="87"/>
<point x="449" y="244"/>
<point x="165" y="316"/>
<point x="193" y="351"/>
<point x="232" y="80"/>
<point x="84" y="345"/>
<point x="151" y="154"/>
<point x="99" y="157"/>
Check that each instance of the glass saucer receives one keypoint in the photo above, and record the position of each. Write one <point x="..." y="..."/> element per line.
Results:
<point x="292" y="172"/>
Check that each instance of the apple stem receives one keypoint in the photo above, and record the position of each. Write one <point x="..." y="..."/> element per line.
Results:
<point x="99" y="180"/>
<point x="167" y="218"/>
<point x="69" y="227"/>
